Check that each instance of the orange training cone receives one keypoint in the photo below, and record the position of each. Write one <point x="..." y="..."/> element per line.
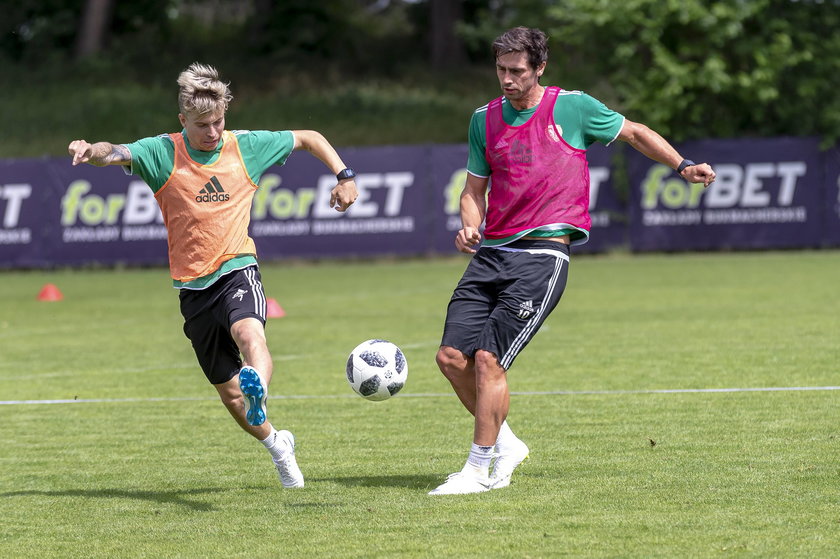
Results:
<point x="50" y="293"/>
<point x="273" y="309"/>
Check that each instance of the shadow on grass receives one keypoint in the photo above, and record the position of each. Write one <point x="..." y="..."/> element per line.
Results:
<point x="410" y="482"/>
<point x="178" y="498"/>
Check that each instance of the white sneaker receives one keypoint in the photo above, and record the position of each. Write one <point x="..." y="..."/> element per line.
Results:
<point x="461" y="483"/>
<point x="507" y="460"/>
<point x="287" y="468"/>
<point x="254" y="390"/>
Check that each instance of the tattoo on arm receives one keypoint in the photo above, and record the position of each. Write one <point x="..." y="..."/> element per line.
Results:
<point x="105" y="153"/>
<point x="118" y="155"/>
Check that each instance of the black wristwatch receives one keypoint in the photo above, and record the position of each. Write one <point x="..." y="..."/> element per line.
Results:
<point x="685" y="163"/>
<point x="347" y="173"/>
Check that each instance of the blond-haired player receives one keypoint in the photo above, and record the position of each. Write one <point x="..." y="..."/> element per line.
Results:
<point x="204" y="179"/>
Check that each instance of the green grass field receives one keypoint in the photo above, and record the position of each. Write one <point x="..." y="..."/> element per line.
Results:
<point x="638" y="448"/>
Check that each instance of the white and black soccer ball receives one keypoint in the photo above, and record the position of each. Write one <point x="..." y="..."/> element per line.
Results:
<point x="376" y="369"/>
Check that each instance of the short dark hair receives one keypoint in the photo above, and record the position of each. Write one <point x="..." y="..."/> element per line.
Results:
<point x="531" y="41"/>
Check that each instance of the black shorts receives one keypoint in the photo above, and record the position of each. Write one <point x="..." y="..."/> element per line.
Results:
<point x="504" y="296"/>
<point x="209" y="313"/>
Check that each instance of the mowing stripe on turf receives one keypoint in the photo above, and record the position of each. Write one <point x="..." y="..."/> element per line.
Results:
<point x="439" y="395"/>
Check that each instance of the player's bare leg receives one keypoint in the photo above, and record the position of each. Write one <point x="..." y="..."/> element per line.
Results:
<point x="255" y="374"/>
<point x="251" y="385"/>
<point x="481" y="385"/>
<point x="459" y="370"/>
<point x="249" y="335"/>
<point x="233" y="400"/>
<point x="492" y="406"/>
<point x="492" y="398"/>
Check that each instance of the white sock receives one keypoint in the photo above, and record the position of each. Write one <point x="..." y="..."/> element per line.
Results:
<point x="506" y="436"/>
<point x="275" y="445"/>
<point x="479" y="459"/>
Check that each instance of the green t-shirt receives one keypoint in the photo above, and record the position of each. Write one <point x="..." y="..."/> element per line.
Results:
<point x="582" y="120"/>
<point x="153" y="159"/>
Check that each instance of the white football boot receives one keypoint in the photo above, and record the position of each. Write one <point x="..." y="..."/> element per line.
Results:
<point x="507" y="459"/>
<point x="287" y="469"/>
<point x="463" y="482"/>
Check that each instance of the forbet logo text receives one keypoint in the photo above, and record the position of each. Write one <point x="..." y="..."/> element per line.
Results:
<point x="751" y="193"/>
<point x="90" y="217"/>
<point x="279" y="211"/>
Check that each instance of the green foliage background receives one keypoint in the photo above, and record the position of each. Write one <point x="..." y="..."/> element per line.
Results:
<point x="363" y="71"/>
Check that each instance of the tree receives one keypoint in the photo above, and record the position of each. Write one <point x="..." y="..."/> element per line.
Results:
<point x="693" y="68"/>
<point x="93" y="31"/>
<point x="447" y="51"/>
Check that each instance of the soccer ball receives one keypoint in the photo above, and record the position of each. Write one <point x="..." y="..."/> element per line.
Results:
<point x="376" y="369"/>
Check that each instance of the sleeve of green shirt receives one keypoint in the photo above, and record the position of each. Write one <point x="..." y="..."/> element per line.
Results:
<point x="152" y="159"/>
<point x="263" y="148"/>
<point x="598" y="123"/>
<point x="477" y="161"/>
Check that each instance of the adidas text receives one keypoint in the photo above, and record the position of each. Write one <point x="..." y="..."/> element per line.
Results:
<point x="215" y="197"/>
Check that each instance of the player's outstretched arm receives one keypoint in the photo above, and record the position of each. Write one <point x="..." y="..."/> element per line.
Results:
<point x="99" y="154"/>
<point x="345" y="192"/>
<point x="654" y="146"/>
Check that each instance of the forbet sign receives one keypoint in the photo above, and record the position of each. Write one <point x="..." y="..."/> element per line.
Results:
<point x="767" y="193"/>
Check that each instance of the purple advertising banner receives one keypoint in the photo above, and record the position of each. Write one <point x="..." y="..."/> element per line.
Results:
<point x="832" y="197"/>
<point x="25" y="188"/>
<point x="606" y="208"/>
<point x="291" y="216"/>
<point x="768" y="194"/>
<point x="102" y="215"/>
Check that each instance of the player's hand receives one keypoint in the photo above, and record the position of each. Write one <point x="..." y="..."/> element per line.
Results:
<point x="343" y="195"/>
<point x="81" y="151"/>
<point x="702" y="172"/>
<point x="466" y="239"/>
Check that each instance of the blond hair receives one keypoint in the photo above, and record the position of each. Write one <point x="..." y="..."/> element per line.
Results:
<point x="201" y="92"/>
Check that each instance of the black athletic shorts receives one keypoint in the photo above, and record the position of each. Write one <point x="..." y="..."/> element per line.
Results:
<point x="209" y="313"/>
<point x="504" y="296"/>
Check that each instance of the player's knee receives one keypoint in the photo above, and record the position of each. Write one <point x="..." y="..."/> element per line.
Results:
<point x="451" y="362"/>
<point x="232" y="399"/>
<point x="232" y="402"/>
<point x="487" y="367"/>
<point x="248" y="331"/>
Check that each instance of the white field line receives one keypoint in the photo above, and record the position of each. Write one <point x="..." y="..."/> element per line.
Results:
<point x="14" y="366"/>
<point x="192" y="365"/>
<point x="440" y="395"/>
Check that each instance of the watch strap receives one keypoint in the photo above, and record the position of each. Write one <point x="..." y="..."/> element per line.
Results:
<point x="345" y="174"/>
<point x="683" y="164"/>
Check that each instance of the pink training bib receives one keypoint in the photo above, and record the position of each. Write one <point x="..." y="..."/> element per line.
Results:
<point x="537" y="179"/>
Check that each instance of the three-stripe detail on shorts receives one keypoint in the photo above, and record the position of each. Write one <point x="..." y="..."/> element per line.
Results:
<point x="561" y="258"/>
<point x="257" y="290"/>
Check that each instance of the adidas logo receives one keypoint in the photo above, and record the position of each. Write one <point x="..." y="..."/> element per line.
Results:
<point x="521" y="153"/>
<point x="501" y="144"/>
<point x="212" y="192"/>
<point x="526" y="309"/>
